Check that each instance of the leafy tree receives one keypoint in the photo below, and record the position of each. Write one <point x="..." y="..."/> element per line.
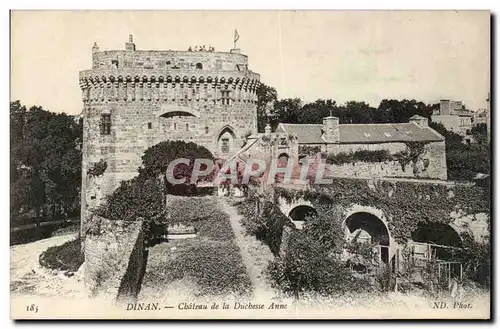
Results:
<point x="265" y="95"/>
<point x="357" y="112"/>
<point x="464" y="160"/>
<point x="285" y="111"/>
<point x="316" y="111"/>
<point x="157" y="158"/>
<point x="45" y="163"/>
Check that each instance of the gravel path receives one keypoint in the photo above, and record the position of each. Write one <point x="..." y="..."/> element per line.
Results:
<point x="28" y="277"/>
<point x="256" y="255"/>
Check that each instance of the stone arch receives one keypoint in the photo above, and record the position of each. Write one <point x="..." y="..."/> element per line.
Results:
<point x="436" y="240"/>
<point x="226" y="140"/>
<point x="366" y="225"/>
<point x="299" y="214"/>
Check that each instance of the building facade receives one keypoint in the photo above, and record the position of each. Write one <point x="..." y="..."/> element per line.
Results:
<point x="453" y="116"/>
<point x="134" y="99"/>
<point x="331" y="137"/>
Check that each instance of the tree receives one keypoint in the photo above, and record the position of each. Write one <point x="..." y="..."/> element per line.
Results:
<point x="157" y="158"/>
<point x="464" y="161"/>
<point x="286" y="111"/>
<point x="357" y="112"/>
<point x="315" y="112"/>
<point x="45" y="162"/>
<point x="265" y="95"/>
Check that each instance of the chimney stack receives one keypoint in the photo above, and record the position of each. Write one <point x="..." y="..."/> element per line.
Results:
<point x="331" y="132"/>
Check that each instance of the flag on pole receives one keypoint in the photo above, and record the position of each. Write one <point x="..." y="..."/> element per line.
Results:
<point x="236" y="37"/>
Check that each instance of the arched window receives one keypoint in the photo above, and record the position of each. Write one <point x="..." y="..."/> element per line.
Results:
<point x="206" y="130"/>
<point x="226" y="141"/>
<point x="199" y="66"/>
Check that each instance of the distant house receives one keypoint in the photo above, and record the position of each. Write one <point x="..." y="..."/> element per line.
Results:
<point x="453" y="116"/>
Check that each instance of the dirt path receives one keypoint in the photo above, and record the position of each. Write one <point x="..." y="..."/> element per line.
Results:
<point x="28" y="277"/>
<point x="256" y="255"/>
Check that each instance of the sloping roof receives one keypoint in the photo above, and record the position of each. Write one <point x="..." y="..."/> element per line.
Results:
<point x="306" y="133"/>
<point x="365" y="133"/>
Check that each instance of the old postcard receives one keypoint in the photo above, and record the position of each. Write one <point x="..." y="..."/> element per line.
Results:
<point x="250" y="165"/>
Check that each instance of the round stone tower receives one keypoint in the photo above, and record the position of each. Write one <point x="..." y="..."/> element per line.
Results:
<point x="134" y="99"/>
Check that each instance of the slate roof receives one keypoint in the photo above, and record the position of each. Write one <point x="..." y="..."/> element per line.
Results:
<point x="364" y="133"/>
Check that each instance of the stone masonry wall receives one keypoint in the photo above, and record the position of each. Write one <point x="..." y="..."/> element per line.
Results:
<point x="430" y="164"/>
<point x="208" y="98"/>
<point x="114" y="258"/>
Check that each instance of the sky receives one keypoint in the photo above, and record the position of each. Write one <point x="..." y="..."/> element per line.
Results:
<point x="341" y="55"/>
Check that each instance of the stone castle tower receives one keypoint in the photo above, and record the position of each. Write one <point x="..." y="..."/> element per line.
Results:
<point x="134" y="99"/>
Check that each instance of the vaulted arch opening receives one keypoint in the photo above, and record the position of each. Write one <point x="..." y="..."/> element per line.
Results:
<point x="364" y="227"/>
<point x="436" y="241"/>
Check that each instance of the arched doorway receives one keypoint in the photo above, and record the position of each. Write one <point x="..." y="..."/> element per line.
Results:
<point x="302" y="213"/>
<point x="365" y="227"/>
<point x="226" y="141"/>
<point x="436" y="241"/>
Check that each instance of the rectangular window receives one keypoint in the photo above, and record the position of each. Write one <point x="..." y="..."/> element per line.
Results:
<point x="187" y="126"/>
<point x="175" y="126"/>
<point x="150" y="125"/>
<point x="225" y="145"/>
<point x="225" y="97"/>
<point x="105" y="124"/>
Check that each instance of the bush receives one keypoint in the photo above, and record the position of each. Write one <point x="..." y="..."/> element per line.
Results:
<point x="136" y="199"/>
<point x="307" y="266"/>
<point x="67" y="257"/>
<point x="359" y="156"/>
<point x="326" y="228"/>
<point x="265" y="221"/>
<point x="476" y="261"/>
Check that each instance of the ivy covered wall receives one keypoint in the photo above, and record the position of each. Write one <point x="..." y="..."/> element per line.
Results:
<point x="404" y="204"/>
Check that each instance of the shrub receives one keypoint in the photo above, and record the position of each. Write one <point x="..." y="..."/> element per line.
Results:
<point x="157" y="158"/>
<point x="309" y="150"/>
<point x="264" y="220"/>
<point x="476" y="260"/>
<point x="326" y="228"/>
<point x="97" y="169"/>
<point x="359" y="156"/>
<point x="306" y="266"/>
<point x="136" y="199"/>
<point x="67" y="257"/>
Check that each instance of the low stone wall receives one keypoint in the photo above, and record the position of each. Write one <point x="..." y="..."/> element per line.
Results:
<point x="114" y="258"/>
<point x="369" y="169"/>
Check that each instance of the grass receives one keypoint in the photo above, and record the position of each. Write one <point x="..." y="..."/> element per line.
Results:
<point x="67" y="257"/>
<point x="212" y="260"/>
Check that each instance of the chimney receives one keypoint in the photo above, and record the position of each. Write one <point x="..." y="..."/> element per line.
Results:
<point x="421" y="121"/>
<point x="130" y="45"/>
<point x="331" y="132"/>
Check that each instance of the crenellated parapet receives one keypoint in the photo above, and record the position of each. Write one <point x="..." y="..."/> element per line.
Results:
<point x="104" y="85"/>
<point x="134" y="99"/>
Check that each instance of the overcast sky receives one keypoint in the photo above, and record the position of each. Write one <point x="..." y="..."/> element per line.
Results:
<point x="363" y="56"/>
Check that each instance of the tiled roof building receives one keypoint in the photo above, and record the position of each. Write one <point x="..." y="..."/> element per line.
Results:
<point x="331" y="137"/>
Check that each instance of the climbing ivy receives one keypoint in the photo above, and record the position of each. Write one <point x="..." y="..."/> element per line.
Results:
<point x="412" y="153"/>
<point x="98" y="168"/>
<point x="406" y="204"/>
